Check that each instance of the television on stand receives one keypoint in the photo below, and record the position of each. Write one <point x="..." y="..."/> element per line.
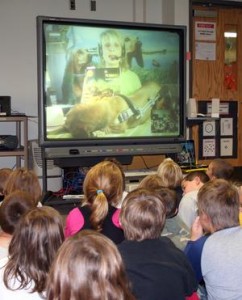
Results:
<point x="109" y="88"/>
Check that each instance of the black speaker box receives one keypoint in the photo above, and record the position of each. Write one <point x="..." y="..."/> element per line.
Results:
<point x="5" y="105"/>
<point x="8" y="142"/>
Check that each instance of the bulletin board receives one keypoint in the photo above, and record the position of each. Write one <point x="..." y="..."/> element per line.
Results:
<point x="218" y="136"/>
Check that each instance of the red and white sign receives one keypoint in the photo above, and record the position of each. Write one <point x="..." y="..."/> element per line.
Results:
<point x="205" y="31"/>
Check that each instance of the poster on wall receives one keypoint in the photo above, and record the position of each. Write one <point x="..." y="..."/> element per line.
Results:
<point x="209" y="147"/>
<point x="205" y="51"/>
<point x="218" y="136"/>
<point x="205" y="31"/>
<point x="226" y="147"/>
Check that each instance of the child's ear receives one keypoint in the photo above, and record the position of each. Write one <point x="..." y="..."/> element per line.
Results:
<point x="197" y="180"/>
<point x="209" y="223"/>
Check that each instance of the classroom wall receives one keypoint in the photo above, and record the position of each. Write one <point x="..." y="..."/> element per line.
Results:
<point x="18" y="54"/>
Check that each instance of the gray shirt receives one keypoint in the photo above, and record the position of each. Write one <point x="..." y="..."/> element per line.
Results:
<point x="222" y="264"/>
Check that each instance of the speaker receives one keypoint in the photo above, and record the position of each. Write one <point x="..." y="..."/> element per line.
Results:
<point x="8" y="142"/>
<point x="5" y="105"/>
<point x="192" y="108"/>
<point x="54" y="173"/>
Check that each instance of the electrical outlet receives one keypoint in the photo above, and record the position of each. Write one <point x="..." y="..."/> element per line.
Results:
<point x="93" y="5"/>
<point x="72" y="4"/>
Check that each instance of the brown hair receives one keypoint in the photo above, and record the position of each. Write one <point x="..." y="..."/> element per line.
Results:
<point x="170" y="199"/>
<point x="88" y="266"/>
<point x="170" y="173"/>
<point x="103" y="185"/>
<point x="119" y="165"/>
<point x="192" y="175"/>
<point x="221" y="168"/>
<point x="4" y="174"/>
<point x="32" y="249"/>
<point x="25" y="180"/>
<point x="142" y="215"/>
<point x="219" y="200"/>
<point x="13" y="207"/>
<point x="151" y="182"/>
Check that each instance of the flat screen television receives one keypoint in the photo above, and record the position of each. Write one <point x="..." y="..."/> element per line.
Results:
<point x="110" y="88"/>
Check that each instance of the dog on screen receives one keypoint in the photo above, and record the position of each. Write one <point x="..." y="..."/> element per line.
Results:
<point x="112" y="113"/>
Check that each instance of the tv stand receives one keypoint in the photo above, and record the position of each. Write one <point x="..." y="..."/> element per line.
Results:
<point x="65" y="162"/>
<point x="87" y="156"/>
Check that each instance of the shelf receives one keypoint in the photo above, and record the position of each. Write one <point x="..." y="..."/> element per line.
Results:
<point x="198" y="120"/>
<point x="21" y="128"/>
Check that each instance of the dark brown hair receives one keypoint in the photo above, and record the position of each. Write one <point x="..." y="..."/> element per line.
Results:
<point x="170" y="199"/>
<point x="192" y="175"/>
<point x="13" y="207"/>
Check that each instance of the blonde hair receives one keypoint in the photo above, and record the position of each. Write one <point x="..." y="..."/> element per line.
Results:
<point x="103" y="186"/>
<point x="109" y="34"/>
<point x="24" y="180"/>
<point x="88" y="266"/>
<point x="170" y="173"/>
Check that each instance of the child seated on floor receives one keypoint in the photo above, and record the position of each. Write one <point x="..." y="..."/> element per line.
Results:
<point x="216" y="240"/>
<point x="103" y="191"/>
<point x="35" y="241"/>
<point x="13" y="207"/>
<point x="88" y="266"/>
<point x="157" y="269"/>
<point x="191" y="184"/>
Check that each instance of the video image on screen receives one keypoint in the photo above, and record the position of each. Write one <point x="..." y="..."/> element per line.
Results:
<point x="106" y="82"/>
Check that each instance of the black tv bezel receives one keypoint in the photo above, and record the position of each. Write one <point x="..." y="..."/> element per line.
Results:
<point x="84" y="146"/>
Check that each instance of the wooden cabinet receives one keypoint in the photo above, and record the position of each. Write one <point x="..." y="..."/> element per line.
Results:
<point x="22" y="134"/>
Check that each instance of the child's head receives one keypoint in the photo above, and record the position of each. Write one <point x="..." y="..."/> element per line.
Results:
<point x="25" y="180"/>
<point x="33" y="247"/>
<point x="151" y="182"/>
<point x="4" y="174"/>
<point x="220" y="168"/>
<point x="238" y="185"/>
<point x="119" y="165"/>
<point x="103" y="185"/>
<point x="143" y="215"/>
<point x="170" y="173"/>
<point x="194" y="181"/>
<point x="170" y="199"/>
<point x="13" y="207"/>
<point x="88" y="266"/>
<point x="218" y="205"/>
